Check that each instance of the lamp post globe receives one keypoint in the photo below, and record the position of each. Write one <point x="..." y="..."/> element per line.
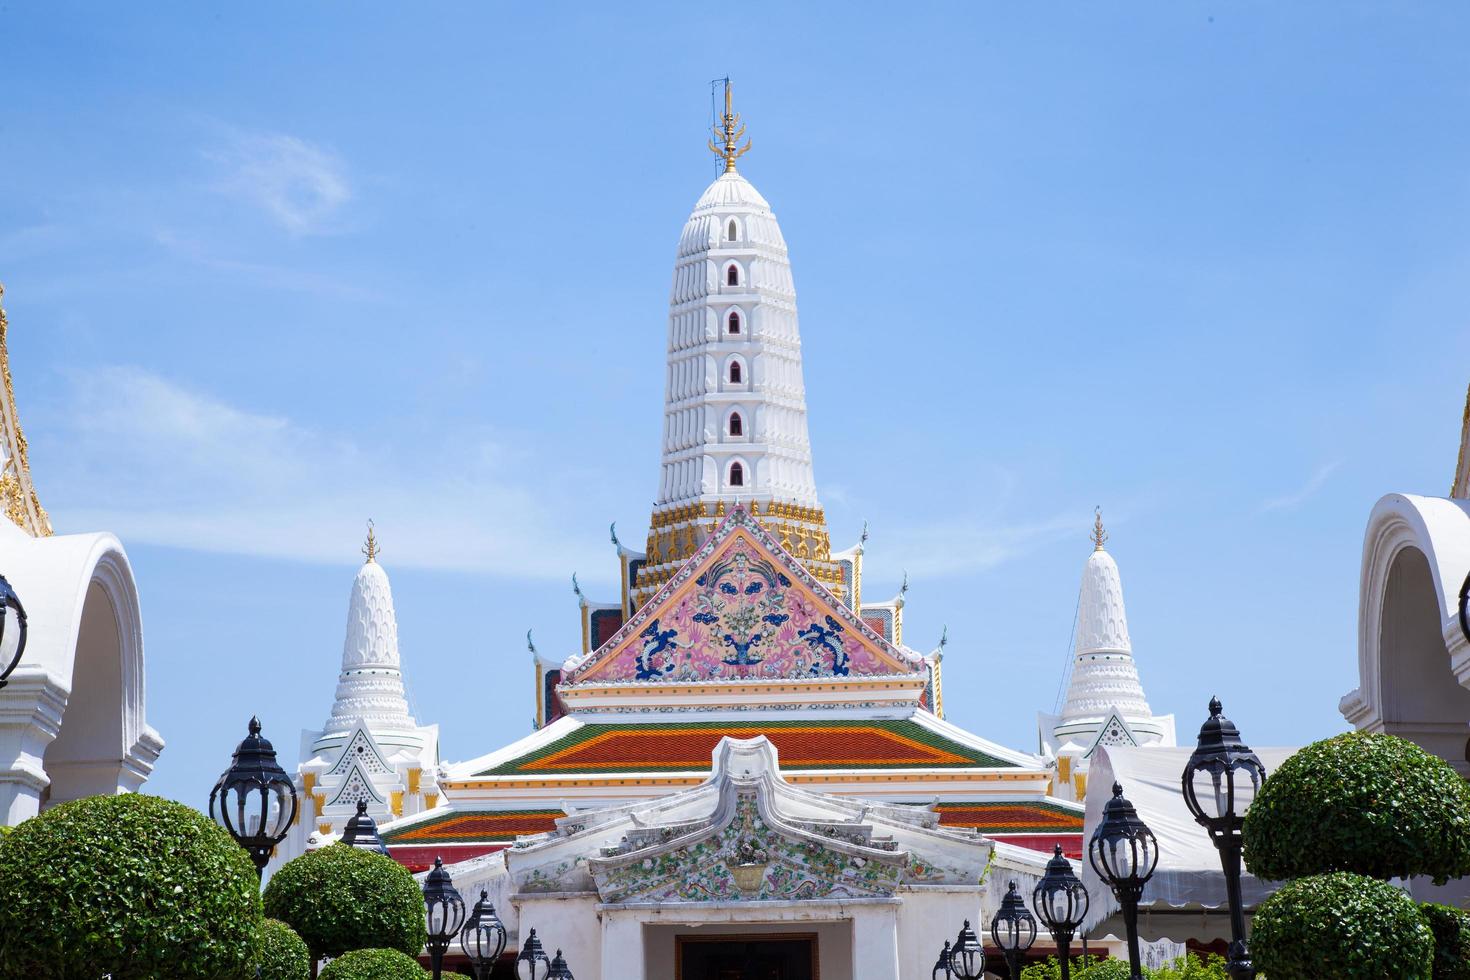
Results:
<point x="1220" y="780"/>
<point x="10" y="602"/>
<point x="967" y="955"/>
<point x="1124" y="853"/>
<point x="531" y="963"/>
<point x="362" y="831"/>
<point x="1061" y="903"/>
<point x="1013" y="929"/>
<point x="254" y="799"/>
<point x="443" y="914"/>
<point x="941" y="966"/>
<point x="483" y="937"/>
<point x="559" y="969"/>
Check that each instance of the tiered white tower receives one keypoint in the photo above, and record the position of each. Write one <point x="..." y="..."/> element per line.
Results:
<point x="735" y="426"/>
<point x="1105" y="701"/>
<point x="370" y="748"/>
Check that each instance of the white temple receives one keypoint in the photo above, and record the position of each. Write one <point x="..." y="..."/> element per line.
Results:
<point x="370" y="749"/>
<point x="1105" y="701"/>
<point x="73" y="717"/>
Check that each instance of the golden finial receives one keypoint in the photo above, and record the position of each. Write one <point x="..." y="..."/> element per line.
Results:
<point x="371" y="549"/>
<point x="1461" y="487"/>
<point x="1098" y="534"/>
<point x="729" y="133"/>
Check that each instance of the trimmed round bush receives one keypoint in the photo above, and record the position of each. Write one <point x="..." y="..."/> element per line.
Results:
<point x="279" y="952"/>
<point x="1451" y="928"/>
<point x="1344" y="926"/>
<point x="342" y="898"/>
<point x="1106" y="970"/>
<point x="133" y="886"/>
<point x="1377" y="805"/>
<point x="374" y="964"/>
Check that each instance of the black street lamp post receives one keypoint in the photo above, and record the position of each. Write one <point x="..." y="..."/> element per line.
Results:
<point x="254" y="800"/>
<point x="483" y="937"/>
<point x="1013" y="929"/>
<point x="532" y="963"/>
<point x="362" y="831"/>
<point x="8" y="601"/>
<point x="1124" y="853"/>
<point x="967" y="955"/>
<point x="1061" y="903"/>
<point x="559" y="969"/>
<point x="941" y="966"/>
<point x="443" y="914"/>
<point x="1220" y="781"/>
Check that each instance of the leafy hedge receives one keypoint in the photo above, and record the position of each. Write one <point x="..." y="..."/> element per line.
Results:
<point x="279" y="953"/>
<point x="1451" y="928"/>
<point x="1106" y="970"/>
<point x="1344" y="926"/>
<point x="1375" y="805"/>
<point x="1191" y="967"/>
<point x="133" y="886"/>
<point x="374" y="964"/>
<point x="342" y="898"/>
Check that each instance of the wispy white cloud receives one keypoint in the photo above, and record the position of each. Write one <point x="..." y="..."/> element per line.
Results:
<point x="300" y="185"/>
<point x="948" y="547"/>
<point x="1307" y="490"/>
<point x="158" y="463"/>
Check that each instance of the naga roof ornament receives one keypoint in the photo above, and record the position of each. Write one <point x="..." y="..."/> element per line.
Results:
<point x="16" y="492"/>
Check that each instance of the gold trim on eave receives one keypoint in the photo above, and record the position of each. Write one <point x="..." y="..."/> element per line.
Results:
<point x="17" y="494"/>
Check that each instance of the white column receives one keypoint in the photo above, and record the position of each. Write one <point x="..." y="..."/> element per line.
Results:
<point x="622" y="947"/>
<point x="875" y="942"/>
<point x="30" y="718"/>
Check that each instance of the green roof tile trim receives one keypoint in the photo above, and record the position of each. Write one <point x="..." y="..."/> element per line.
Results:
<point x="802" y="745"/>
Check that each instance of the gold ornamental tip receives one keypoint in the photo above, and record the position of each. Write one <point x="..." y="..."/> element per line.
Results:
<point x="370" y="550"/>
<point x="1098" y="534"/>
<point x="729" y="133"/>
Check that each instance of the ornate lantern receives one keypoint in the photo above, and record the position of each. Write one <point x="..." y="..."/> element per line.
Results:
<point x="967" y="956"/>
<point x="559" y="970"/>
<point x="362" y="831"/>
<point x="1061" y="903"/>
<point x="483" y="937"/>
<point x="254" y="800"/>
<point x="1013" y="929"/>
<point x="443" y="913"/>
<point x="1220" y="781"/>
<point x="8" y="601"/>
<point x="1124" y="853"/>
<point x="941" y="966"/>
<point x="532" y="963"/>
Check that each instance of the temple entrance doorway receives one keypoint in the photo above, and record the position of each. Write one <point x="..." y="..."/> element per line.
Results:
<point x="749" y="957"/>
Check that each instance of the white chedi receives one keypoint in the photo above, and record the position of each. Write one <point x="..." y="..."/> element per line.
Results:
<point x="1105" y="703"/>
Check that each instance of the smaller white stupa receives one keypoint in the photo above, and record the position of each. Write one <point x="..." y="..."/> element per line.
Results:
<point x="370" y="749"/>
<point x="1105" y="701"/>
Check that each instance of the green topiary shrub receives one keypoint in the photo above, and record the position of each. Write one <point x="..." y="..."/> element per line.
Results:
<point x="1375" y="805"/>
<point x="1193" y="967"/>
<point x="1051" y="968"/>
<point x="279" y="952"/>
<point x="1344" y="926"/>
<point x="1106" y="970"/>
<point x="342" y="898"/>
<point x="374" y="964"/>
<point x="132" y="886"/>
<point x="1451" y="928"/>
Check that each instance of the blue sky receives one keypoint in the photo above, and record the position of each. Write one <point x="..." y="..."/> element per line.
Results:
<point x="274" y="270"/>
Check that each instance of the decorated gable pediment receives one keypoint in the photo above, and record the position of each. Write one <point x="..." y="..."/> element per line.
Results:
<point x="741" y="609"/>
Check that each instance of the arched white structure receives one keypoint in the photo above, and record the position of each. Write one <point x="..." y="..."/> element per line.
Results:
<point x="73" y="718"/>
<point x="1413" y="660"/>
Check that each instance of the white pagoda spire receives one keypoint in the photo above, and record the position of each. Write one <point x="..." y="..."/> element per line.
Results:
<point x="735" y="423"/>
<point x="1105" y="702"/>
<point x="370" y="688"/>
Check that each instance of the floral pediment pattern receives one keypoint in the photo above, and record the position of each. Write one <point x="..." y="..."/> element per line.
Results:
<point x="741" y="609"/>
<point x="749" y="857"/>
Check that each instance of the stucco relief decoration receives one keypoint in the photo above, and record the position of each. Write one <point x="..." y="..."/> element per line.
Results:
<point x="744" y="618"/>
<point x="747" y="860"/>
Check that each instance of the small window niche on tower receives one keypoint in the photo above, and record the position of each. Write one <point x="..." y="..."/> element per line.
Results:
<point x="737" y="475"/>
<point x="732" y="324"/>
<point x="737" y="376"/>
<point x="732" y="232"/>
<point x="732" y="275"/>
<point x="737" y="427"/>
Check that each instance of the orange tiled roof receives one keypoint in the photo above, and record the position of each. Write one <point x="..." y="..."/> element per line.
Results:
<point x="474" y="828"/>
<point x="1015" y="817"/>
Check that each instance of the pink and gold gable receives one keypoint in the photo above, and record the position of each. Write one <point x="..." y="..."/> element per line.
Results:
<point x="742" y="609"/>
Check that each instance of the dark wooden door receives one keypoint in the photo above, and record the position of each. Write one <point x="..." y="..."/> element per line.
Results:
<point x="747" y="958"/>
